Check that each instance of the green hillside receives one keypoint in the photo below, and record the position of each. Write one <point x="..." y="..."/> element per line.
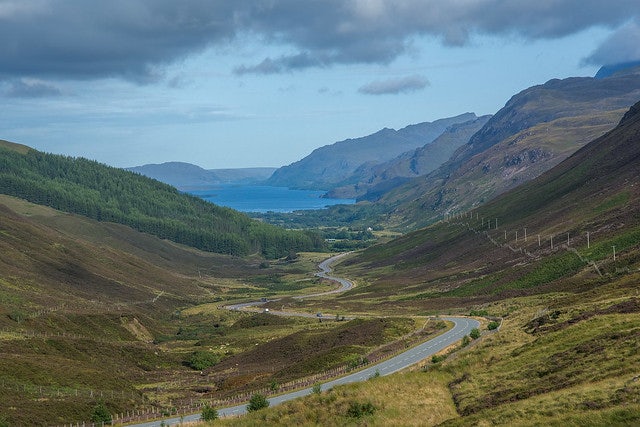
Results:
<point x="88" y="188"/>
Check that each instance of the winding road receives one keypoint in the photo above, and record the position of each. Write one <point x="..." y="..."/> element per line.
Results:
<point x="462" y="326"/>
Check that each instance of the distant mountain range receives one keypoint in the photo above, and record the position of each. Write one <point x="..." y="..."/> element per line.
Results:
<point x="184" y="175"/>
<point x="334" y="165"/>
<point x="370" y="181"/>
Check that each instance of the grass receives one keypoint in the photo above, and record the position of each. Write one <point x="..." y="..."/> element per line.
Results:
<point x="405" y="399"/>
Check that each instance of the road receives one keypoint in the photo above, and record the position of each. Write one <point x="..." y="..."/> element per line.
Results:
<point x="462" y="327"/>
<point x="325" y="267"/>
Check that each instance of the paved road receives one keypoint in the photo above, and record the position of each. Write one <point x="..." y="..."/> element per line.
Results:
<point x="325" y="267"/>
<point x="462" y="327"/>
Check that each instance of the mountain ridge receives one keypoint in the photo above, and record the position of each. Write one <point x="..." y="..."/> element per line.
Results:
<point x="331" y="164"/>
<point x="185" y="175"/>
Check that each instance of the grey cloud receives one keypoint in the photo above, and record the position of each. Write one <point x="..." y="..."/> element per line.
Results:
<point x="622" y="46"/>
<point x="395" y="86"/>
<point x="31" y="89"/>
<point x="281" y="64"/>
<point x="79" y="39"/>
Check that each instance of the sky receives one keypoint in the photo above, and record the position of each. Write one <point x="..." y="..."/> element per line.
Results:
<point x="262" y="83"/>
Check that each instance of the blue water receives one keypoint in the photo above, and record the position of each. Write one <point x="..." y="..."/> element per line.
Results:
<point x="254" y="198"/>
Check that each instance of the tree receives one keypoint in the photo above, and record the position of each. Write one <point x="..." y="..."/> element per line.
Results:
<point x="209" y="413"/>
<point x="101" y="414"/>
<point x="257" y="402"/>
<point x="475" y="333"/>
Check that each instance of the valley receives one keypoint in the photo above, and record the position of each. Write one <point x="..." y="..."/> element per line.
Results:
<point x="119" y="292"/>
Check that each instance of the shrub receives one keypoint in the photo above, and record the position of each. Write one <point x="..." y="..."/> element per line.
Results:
<point x="475" y="333"/>
<point x="359" y="410"/>
<point x="493" y="325"/>
<point x="438" y="358"/>
<point x="100" y="414"/>
<point x="478" y="313"/>
<point x="209" y="413"/>
<point x="317" y="388"/>
<point x="257" y="402"/>
<point x="200" y="360"/>
<point x="465" y="341"/>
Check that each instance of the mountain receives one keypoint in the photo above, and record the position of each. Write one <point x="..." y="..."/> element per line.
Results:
<point x="183" y="175"/>
<point x="104" y="193"/>
<point x="534" y="131"/>
<point x="370" y="181"/>
<point x="329" y="165"/>
<point x="596" y="190"/>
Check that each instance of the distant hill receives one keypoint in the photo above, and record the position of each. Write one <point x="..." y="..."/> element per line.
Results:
<point x="183" y="175"/>
<point x="536" y="130"/>
<point x="371" y="181"/>
<point x="330" y="165"/>
<point x="105" y="193"/>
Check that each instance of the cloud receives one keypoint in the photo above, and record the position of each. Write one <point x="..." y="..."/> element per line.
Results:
<point x="28" y="88"/>
<point x="621" y="47"/>
<point x="395" y="86"/>
<point x="135" y="40"/>
<point x="281" y="64"/>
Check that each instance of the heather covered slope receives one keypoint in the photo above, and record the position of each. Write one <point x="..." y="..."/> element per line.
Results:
<point x="81" y="303"/>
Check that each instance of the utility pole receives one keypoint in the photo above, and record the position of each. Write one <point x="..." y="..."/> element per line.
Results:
<point x="525" y="234"/>
<point x="551" y="242"/>
<point x="539" y="243"/>
<point x="614" y="252"/>
<point x="496" y="223"/>
<point x="568" y="241"/>
<point x="505" y="235"/>
<point x="588" y="243"/>
<point x="516" y="235"/>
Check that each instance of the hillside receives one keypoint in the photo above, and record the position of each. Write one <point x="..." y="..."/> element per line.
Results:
<point x="596" y="190"/>
<point x="81" y="303"/>
<point x="330" y="165"/>
<point x="104" y="193"/>
<point x="536" y="130"/>
<point x="185" y="175"/>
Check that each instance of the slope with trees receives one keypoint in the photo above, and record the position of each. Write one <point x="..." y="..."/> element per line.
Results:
<point x="104" y="193"/>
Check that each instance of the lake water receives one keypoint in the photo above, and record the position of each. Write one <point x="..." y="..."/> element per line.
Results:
<point x="262" y="198"/>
